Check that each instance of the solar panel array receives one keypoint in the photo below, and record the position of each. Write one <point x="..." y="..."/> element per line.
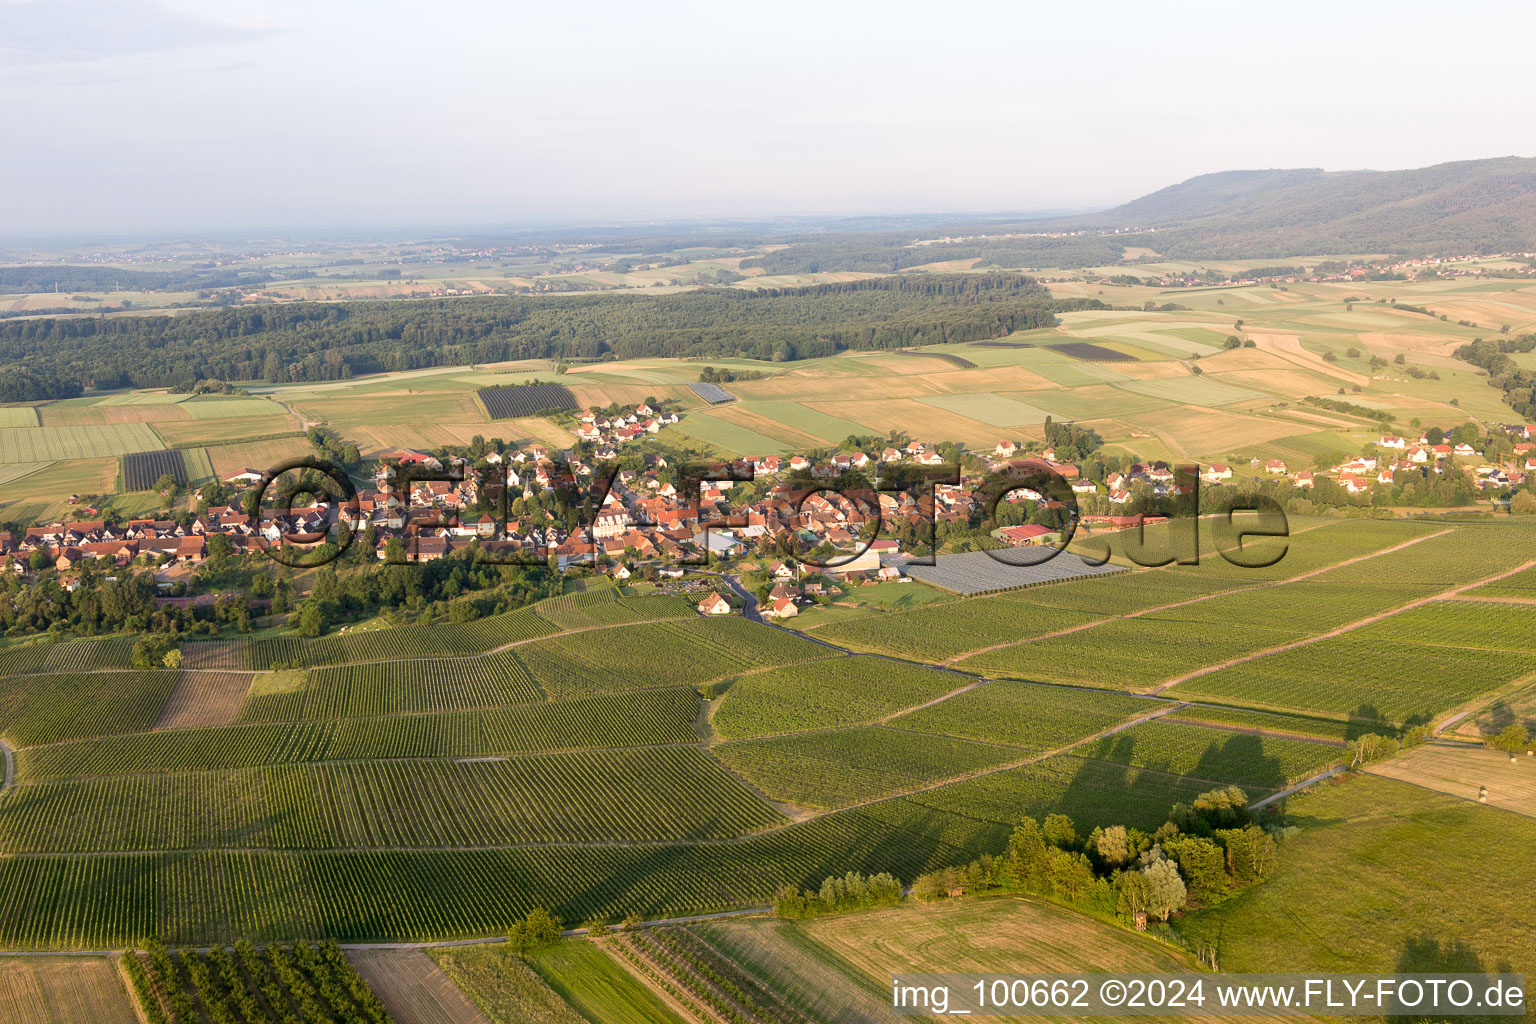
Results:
<point x="714" y="394"/>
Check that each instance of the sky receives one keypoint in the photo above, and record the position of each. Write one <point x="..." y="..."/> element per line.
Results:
<point x="186" y="116"/>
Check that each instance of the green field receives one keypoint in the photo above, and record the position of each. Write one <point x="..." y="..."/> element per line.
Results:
<point x="1384" y="876"/>
<point x="18" y="416"/>
<point x="589" y="980"/>
<point x="729" y="437"/>
<point x="45" y="444"/>
<point x="801" y="417"/>
<point x="230" y="408"/>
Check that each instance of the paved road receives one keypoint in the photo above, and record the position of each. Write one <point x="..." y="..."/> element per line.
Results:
<point x="1330" y="773"/>
<point x="749" y="599"/>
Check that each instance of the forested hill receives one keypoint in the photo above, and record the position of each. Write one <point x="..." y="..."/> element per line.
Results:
<point x="1468" y="206"/>
<point x="1448" y="209"/>
<point x="328" y="341"/>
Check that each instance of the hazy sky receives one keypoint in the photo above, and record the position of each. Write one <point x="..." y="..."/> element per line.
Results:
<point x="124" y="116"/>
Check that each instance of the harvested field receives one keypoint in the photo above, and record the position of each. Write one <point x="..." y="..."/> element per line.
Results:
<point x="414" y="989"/>
<point x="63" y="990"/>
<point x="989" y="408"/>
<point x="229" y="459"/>
<point x="205" y="699"/>
<point x="47" y="444"/>
<point x="887" y="414"/>
<point x="1288" y="347"/>
<point x="229" y="408"/>
<point x="1460" y="769"/>
<point x="224" y="430"/>
<point x="97" y="415"/>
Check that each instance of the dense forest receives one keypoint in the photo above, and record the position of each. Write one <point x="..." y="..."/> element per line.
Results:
<point x="329" y="341"/>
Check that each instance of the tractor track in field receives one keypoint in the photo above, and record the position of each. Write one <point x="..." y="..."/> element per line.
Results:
<point x="1195" y="600"/>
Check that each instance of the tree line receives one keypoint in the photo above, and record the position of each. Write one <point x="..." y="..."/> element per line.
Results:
<point x="1207" y="849"/>
<point x="330" y="341"/>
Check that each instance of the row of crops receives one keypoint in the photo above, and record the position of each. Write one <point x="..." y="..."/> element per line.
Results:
<point x="391" y="687"/>
<point x="1126" y="652"/>
<point x="939" y="631"/>
<point x="456" y="639"/>
<point x="1218" y="756"/>
<point x="1269" y="721"/>
<point x="53" y="707"/>
<point x="73" y="656"/>
<point x="1026" y="715"/>
<point x="1363" y="677"/>
<point x="142" y="470"/>
<point x="683" y="651"/>
<point x="823" y="694"/>
<point x="272" y="986"/>
<point x="218" y="896"/>
<point x="587" y="608"/>
<point x="981" y="812"/>
<point x="649" y="794"/>
<point x="409" y="641"/>
<point x="1475" y="624"/>
<point x="646" y="717"/>
<point x="201" y="898"/>
<point x="844" y="766"/>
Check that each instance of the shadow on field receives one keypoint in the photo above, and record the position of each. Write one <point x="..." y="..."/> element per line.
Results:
<point x="1425" y="954"/>
<point x="1238" y="760"/>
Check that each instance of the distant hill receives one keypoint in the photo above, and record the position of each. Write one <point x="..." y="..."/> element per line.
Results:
<point x="1470" y="205"/>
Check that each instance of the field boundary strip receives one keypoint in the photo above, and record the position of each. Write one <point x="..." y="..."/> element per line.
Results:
<point x="1194" y="600"/>
<point x="1348" y="627"/>
<point x="10" y="767"/>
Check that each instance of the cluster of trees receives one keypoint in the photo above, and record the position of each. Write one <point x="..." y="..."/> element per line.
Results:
<point x="459" y="586"/>
<point x="1518" y="385"/>
<point x="1350" y="408"/>
<point x="1513" y="738"/>
<point x="1072" y="442"/>
<point x="209" y="387"/>
<point x="721" y="375"/>
<point x="329" y="341"/>
<point x="535" y="931"/>
<point x="1207" y="848"/>
<point x="1372" y="746"/>
<point x="333" y="449"/>
<point x="852" y="891"/>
